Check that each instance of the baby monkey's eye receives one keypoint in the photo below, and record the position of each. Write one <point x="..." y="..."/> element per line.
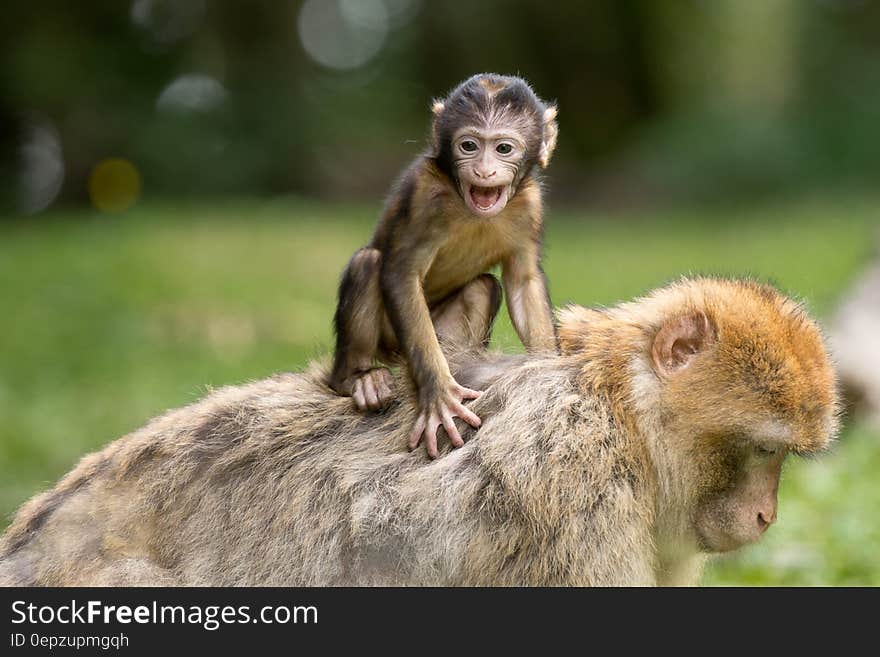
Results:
<point x="468" y="146"/>
<point x="765" y="451"/>
<point x="504" y="148"/>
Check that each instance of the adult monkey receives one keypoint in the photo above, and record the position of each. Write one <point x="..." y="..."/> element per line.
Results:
<point x="472" y="201"/>
<point x="656" y="437"/>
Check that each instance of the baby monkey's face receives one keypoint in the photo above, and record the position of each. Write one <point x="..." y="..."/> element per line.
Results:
<point x="486" y="166"/>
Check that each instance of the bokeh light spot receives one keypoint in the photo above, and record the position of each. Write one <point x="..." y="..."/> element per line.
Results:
<point x="344" y="34"/>
<point x="42" y="168"/>
<point x="168" y="20"/>
<point x="114" y="185"/>
<point x="192" y="93"/>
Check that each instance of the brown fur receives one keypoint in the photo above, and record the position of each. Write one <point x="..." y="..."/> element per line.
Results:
<point x="589" y="468"/>
<point x="429" y="246"/>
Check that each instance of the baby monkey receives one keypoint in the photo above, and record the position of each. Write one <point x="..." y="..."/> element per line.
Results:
<point x="470" y="202"/>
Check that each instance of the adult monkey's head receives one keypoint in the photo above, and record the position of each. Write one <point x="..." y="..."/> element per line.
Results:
<point x="726" y="379"/>
<point x="488" y="134"/>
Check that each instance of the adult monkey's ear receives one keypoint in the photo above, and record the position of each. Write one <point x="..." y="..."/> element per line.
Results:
<point x="550" y="130"/>
<point x="679" y="341"/>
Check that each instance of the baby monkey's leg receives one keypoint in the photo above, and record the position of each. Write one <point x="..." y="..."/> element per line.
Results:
<point x="464" y="320"/>
<point x="360" y="317"/>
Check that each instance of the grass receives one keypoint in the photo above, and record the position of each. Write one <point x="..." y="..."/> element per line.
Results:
<point x="110" y="319"/>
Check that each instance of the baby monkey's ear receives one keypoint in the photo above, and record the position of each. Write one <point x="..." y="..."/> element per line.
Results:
<point x="550" y="130"/>
<point x="436" y="109"/>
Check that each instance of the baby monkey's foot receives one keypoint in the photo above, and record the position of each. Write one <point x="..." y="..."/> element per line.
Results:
<point x="371" y="390"/>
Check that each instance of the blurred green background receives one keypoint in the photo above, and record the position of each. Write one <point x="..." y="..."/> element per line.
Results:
<point x="182" y="182"/>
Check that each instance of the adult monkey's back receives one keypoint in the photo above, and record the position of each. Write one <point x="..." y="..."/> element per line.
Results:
<point x="655" y="438"/>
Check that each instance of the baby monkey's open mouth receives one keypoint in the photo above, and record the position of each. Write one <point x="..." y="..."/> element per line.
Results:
<point x="486" y="200"/>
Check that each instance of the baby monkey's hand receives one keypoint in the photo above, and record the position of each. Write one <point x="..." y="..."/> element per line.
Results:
<point x="440" y="411"/>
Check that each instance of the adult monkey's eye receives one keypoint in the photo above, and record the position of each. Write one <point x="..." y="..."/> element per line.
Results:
<point x="504" y="148"/>
<point x="468" y="146"/>
<point x="764" y="451"/>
